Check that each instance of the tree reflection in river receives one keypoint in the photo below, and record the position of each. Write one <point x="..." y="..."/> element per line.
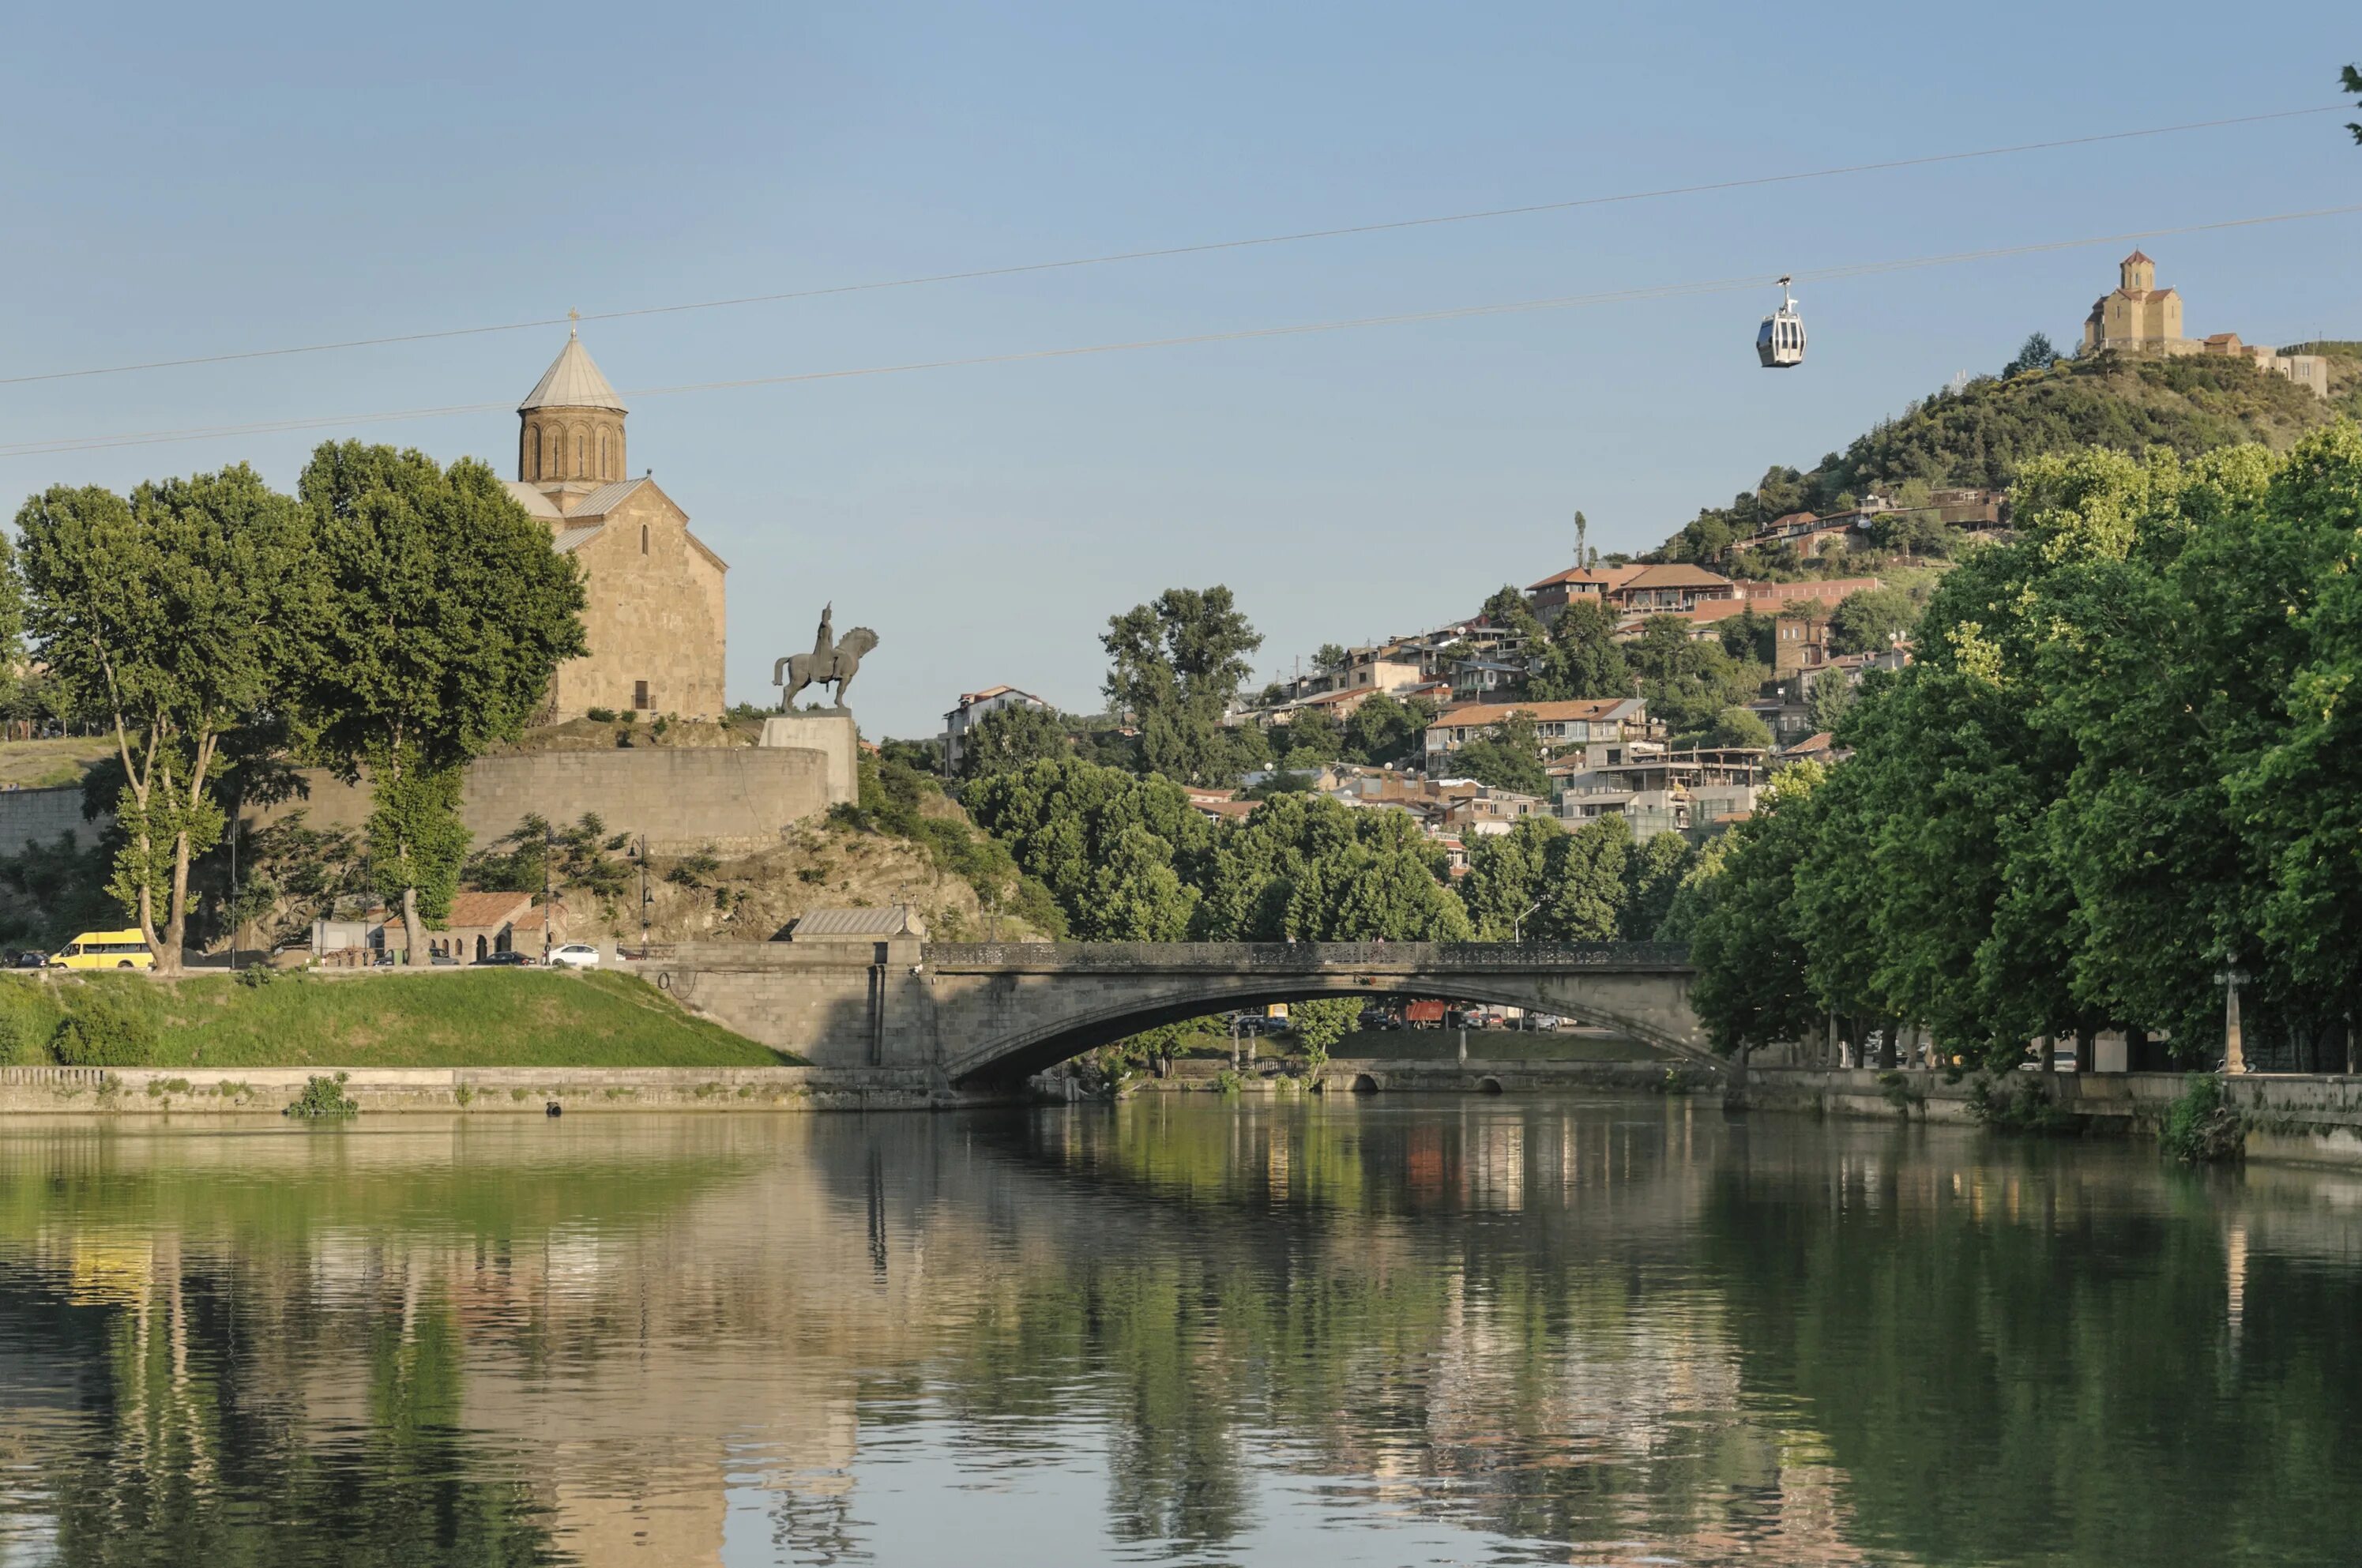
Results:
<point x="1385" y="1330"/>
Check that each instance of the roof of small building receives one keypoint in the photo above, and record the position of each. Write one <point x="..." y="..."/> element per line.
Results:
<point x="535" y="503"/>
<point x="606" y="498"/>
<point x="486" y="910"/>
<point x="1541" y="712"/>
<point x="574" y="538"/>
<point x="1675" y="574"/>
<point x="1606" y="577"/>
<point x="893" y="920"/>
<point x="573" y="381"/>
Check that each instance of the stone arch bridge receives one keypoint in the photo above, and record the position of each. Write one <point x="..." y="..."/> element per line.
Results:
<point x="976" y="1014"/>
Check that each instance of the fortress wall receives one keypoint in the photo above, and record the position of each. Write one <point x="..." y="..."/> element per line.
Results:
<point x="30" y="815"/>
<point x="738" y="800"/>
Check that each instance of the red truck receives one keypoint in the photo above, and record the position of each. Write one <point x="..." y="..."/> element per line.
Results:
<point x="1425" y="1014"/>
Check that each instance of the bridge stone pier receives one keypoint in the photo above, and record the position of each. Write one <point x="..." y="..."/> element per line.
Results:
<point x="979" y="1014"/>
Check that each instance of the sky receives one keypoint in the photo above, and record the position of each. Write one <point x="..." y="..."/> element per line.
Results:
<point x="187" y="181"/>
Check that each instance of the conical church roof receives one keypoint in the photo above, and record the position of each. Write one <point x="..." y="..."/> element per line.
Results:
<point x="573" y="381"/>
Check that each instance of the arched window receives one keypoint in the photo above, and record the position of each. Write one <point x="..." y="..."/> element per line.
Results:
<point x="555" y="461"/>
<point x="643" y="538"/>
<point x="581" y="457"/>
<point x="602" y="454"/>
<point x="533" y="451"/>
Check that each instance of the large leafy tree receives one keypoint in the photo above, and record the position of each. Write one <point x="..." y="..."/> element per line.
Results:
<point x="1752" y="988"/>
<point x="1010" y="738"/>
<point x="12" y="627"/>
<point x="448" y="613"/>
<point x="1509" y="756"/>
<point x="1582" y="657"/>
<point x="1101" y="840"/>
<point x="1178" y="663"/>
<point x="1870" y="620"/>
<point x="177" y="615"/>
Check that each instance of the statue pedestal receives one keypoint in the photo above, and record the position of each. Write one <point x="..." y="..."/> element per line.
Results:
<point x="830" y="733"/>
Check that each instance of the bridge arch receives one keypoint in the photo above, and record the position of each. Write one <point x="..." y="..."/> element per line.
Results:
<point x="1022" y="1052"/>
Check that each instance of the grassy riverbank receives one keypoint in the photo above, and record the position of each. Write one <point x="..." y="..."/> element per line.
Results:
<point x="509" y="1017"/>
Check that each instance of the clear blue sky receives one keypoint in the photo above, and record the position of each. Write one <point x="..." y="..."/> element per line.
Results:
<point x="184" y="180"/>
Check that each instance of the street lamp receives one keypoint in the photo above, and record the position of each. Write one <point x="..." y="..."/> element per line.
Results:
<point x="1517" y="926"/>
<point x="2235" y="1055"/>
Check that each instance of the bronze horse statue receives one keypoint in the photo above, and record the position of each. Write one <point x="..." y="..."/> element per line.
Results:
<point x="834" y="662"/>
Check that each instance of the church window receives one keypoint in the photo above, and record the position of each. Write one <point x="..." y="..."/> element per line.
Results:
<point x="639" y="696"/>
<point x="533" y="450"/>
<point x="643" y="538"/>
<point x="581" y="460"/>
<point x="602" y="456"/>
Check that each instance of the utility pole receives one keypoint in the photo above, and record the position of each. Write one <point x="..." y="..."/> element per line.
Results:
<point x="549" y="844"/>
<point x="233" y="886"/>
<point x="644" y="895"/>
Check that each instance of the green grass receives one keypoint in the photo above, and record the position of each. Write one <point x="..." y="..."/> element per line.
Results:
<point x="500" y="1019"/>
<point x="46" y="764"/>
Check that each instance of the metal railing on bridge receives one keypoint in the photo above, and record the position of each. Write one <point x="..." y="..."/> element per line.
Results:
<point x="1297" y="957"/>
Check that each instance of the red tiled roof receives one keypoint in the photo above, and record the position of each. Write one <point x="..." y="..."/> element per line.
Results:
<point x="1541" y="712"/>
<point x="485" y="912"/>
<point x="1606" y="577"/>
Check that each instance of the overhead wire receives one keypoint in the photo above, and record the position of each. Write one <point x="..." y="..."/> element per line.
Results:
<point x="1233" y="334"/>
<point x="1203" y="247"/>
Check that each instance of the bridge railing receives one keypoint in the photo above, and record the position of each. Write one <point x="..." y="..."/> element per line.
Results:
<point x="1297" y="956"/>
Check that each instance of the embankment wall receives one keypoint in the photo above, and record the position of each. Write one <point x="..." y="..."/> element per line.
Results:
<point x="26" y="815"/>
<point x="218" y="1091"/>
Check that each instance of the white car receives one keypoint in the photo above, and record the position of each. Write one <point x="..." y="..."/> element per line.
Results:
<point x="574" y="955"/>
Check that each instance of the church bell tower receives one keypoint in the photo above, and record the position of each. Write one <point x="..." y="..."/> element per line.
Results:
<point x="571" y="427"/>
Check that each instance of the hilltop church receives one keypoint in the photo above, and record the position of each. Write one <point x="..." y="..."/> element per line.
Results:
<point x="654" y="618"/>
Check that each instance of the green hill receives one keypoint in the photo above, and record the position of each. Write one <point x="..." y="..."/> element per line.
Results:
<point x="1979" y="434"/>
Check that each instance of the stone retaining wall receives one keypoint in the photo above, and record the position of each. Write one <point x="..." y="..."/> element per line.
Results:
<point x="212" y="1091"/>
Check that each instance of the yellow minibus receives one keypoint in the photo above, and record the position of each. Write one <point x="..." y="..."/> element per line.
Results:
<point x="105" y="950"/>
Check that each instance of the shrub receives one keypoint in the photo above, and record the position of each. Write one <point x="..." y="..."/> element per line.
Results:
<point x="2019" y="1107"/>
<point x="627" y="717"/>
<point x="2200" y="1127"/>
<point x="1227" y="1081"/>
<point x="102" y="1033"/>
<point x="254" y="977"/>
<point x="600" y="716"/>
<point x="323" y="1100"/>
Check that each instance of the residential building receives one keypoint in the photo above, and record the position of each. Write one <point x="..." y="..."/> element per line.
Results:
<point x="1485" y="810"/>
<point x="1390" y="667"/>
<point x="1660" y="791"/>
<point x="1800" y="639"/>
<point x="1705" y="618"/>
<point x="1569" y="724"/>
<point x="971" y="711"/>
<point x="2138" y="317"/>
<point x="653" y="609"/>
<point x="1553" y="593"/>
<point x="1671" y="586"/>
<point x="481" y="924"/>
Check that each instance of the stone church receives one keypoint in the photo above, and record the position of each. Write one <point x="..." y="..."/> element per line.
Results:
<point x="654" y="619"/>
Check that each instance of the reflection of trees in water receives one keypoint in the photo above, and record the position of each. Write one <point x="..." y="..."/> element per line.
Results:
<point x="2014" y="1357"/>
<point x="188" y="1458"/>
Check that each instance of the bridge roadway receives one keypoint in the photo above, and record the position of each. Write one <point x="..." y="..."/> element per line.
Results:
<point x="980" y="1014"/>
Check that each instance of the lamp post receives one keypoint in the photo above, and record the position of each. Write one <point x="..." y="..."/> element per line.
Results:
<point x="1517" y="927"/>
<point x="2235" y="1055"/>
<point x="548" y="847"/>
<point x="646" y="897"/>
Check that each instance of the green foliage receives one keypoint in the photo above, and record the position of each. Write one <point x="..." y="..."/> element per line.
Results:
<point x="1986" y="433"/>
<point x="446" y="614"/>
<point x="1831" y="701"/>
<point x="1870" y="620"/>
<point x="2019" y="1102"/>
<point x="1010" y="738"/>
<point x="2351" y="79"/>
<point x="1509" y="757"/>
<point x="1318" y="1023"/>
<point x="600" y="716"/>
<point x="324" y="1100"/>
<point x="254" y="977"/>
<point x="2200" y="1127"/>
<point x="55" y="889"/>
<point x="899" y="800"/>
<point x="103" y="1030"/>
<point x="2035" y="353"/>
<point x="1739" y="727"/>
<point x="1178" y="664"/>
<point x="1752" y="988"/>
<point x="1688" y="681"/>
<point x="582" y="857"/>
<point x="178" y="615"/>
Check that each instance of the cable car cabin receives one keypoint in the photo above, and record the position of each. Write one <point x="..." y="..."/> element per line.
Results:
<point x="1780" y="341"/>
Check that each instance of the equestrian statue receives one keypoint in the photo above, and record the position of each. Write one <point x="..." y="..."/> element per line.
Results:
<point x="830" y="662"/>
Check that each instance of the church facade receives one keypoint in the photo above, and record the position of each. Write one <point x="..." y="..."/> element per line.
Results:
<point x="2138" y="317"/>
<point x="655" y="619"/>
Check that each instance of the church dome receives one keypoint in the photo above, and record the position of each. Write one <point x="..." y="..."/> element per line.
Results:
<point x="571" y="427"/>
<point x="573" y="381"/>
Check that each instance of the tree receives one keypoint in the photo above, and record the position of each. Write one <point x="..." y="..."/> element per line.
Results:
<point x="1506" y="874"/>
<point x="1869" y="621"/>
<point x="1737" y="727"/>
<point x="1687" y="681"/>
<point x="447" y="614"/>
<point x="1311" y="738"/>
<point x="1752" y="988"/>
<point x="1319" y="1022"/>
<point x="1384" y="730"/>
<point x="1509" y="757"/>
<point x="2035" y="353"/>
<point x="1331" y="659"/>
<point x="1179" y="662"/>
<point x="1652" y="875"/>
<point x="1582" y="657"/>
<point x="1831" y="700"/>
<point x="12" y="627"/>
<point x="2352" y="80"/>
<point x="1010" y="738"/>
<point x="1065" y="824"/>
<point x="176" y="616"/>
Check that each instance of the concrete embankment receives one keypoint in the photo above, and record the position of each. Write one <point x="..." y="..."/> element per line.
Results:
<point x="194" y="1091"/>
<point x="2296" y="1118"/>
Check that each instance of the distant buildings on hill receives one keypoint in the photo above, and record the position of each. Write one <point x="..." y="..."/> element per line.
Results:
<point x="2138" y="317"/>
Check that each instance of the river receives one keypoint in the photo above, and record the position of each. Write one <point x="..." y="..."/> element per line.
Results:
<point x="1376" y="1331"/>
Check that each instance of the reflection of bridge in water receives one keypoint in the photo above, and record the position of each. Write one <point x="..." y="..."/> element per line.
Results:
<point x="977" y="1013"/>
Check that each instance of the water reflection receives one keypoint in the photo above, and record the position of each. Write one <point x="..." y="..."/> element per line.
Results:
<point x="1383" y="1331"/>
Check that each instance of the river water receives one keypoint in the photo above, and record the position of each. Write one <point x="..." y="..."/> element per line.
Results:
<point x="1376" y="1331"/>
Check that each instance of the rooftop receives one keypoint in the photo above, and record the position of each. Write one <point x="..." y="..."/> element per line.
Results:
<point x="573" y="381"/>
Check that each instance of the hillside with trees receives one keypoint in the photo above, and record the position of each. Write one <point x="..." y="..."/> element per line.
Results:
<point x="1983" y="433"/>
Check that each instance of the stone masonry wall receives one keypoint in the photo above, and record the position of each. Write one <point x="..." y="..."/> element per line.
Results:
<point x="30" y="815"/>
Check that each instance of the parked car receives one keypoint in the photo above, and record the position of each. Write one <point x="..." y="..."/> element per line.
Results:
<point x="509" y="960"/>
<point x="30" y="960"/>
<point x="574" y="955"/>
<point x="441" y="961"/>
<point x="1544" y="1021"/>
<point x="1378" y="1018"/>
